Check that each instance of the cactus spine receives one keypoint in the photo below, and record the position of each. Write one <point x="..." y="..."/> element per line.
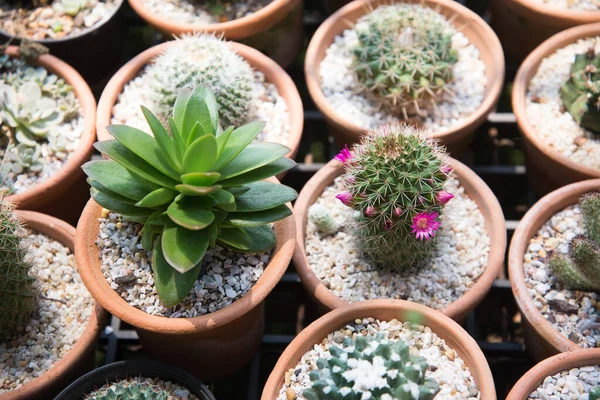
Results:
<point x="580" y="268"/>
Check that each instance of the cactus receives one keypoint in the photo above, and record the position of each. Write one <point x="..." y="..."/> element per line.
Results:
<point x="125" y="390"/>
<point x="320" y="216"/>
<point x="404" y="57"/>
<point x="580" y="268"/>
<point x="580" y="94"/>
<point x="17" y="296"/>
<point x="595" y="393"/>
<point x="202" y="60"/>
<point x="395" y="179"/>
<point x="368" y="367"/>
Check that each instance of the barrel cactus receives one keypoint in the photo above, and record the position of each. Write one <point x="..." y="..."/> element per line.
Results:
<point x="395" y="180"/>
<point x="17" y="295"/>
<point x="368" y="367"/>
<point x="126" y="390"/>
<point x="404" y="57"/>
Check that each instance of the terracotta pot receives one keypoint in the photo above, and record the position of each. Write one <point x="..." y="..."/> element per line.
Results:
<point x="474" y="187"/>
<point x="64" y="194"/>
<point x="456" y="337"/>
<point x="547" y="169"/>
<point x="522" y="25"/>
<point x="273" y="73"/>
<point x="541" y="338"/>
<point x="553" y="365"/>
<point x="211" y="345"/>
<point x="475" y="29"/>
<point x="81" y="358"/>
<point x="276" y="29"/>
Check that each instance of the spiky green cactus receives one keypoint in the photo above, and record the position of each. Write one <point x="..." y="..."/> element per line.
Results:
<point x="368" y="367"/>
<point x="126" y="390"/>
<point x="595" y="393"/>
<point x="395" y="180"/>
<point x="321" y="217"/>
<point x="580" y="94"/>
<point x="404" y="57"/>
<point x="580" y="268"/>
<point x="206" y="60"/>
<point x="17" y="296"/>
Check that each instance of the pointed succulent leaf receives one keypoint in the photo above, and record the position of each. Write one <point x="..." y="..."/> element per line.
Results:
<point x="157" y="198"/>
<point x="162" y="138"/>
<point x="178" y="143"/>
<point x="115" y="205"/>
<point x="238" y="141"/>
<point x="223" y="137"/>
<point x="225" y="199"/>
<point x="254" y="156"/>
<point x="264" y="195"/>
<point x="258" y="174"/>
<point x="197" y="201"/>
<point x="179" y="109"/>
<point x="213" y="232"/>
<point x="103" y="189"/>
<point x="190" y="216"/>
<point x="115" y="177"/>
<point x="248" y="219"/>
<point x="200" y="178"/>
<point x="235" y="238"/>
<point x="197" y="132"/>
<point x="201" y="155"/>
<point x="262" y="238"/>
<point x="184" y="249"/>
<point x="197" y="190"/>
<point x="196" y="111"/>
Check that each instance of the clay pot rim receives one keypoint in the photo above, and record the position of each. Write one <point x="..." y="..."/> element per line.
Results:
<point x="533" y="220"/>
<point x="312" y="63"/>
<point x="550" y="366"/>
<point x="559" y="16"/>
<point x="239" y="28"/>
<point x="496" y="228"/>
<point x="527" y="70"/>
<point x="64" y="233"/>
<point x="32" y="197"/>
<point x="87" y="255"/>
<point x="258" y="61"/>
<point x="341" y="316"/>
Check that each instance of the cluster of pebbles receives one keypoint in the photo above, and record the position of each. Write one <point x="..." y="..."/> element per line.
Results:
<point x="460" y="258"/>
<point x="50" y="21"/>
<point x="552" y="122"/>
<point x="64" y="308"/>
<point x="445" y="366"/>
<point x="226" y="275"/>
<point x="576" y="314"/>
<point x="340" y="84"/>
<point x="574" y="384"/>
<point x="173" y="391"/>
<point x="590" y="5"/>
<point x="209" y="12"/>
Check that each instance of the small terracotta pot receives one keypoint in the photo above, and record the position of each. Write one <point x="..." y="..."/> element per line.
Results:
<point x="456" y="338"/>
<point x="457" y="138"/>
<point x="522" y="25"/>
<point x="551" y="366"/>
<point x="547" y="169"/>
<point x="273" y="73"/>
<point x="64" y="194"/>
<point x="541" y="338"/>
<point x="474" y="187"/>
<point x="81" y="358"/>
<point x="211" y="345"/>
<point x="275" y="30"/>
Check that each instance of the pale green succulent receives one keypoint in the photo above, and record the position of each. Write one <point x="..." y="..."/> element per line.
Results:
<point x="70" y="7"/>
<point x="125" y="390"/>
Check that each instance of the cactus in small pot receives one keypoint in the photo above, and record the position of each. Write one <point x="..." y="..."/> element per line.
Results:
<point x="580" y="268"/>
<point x="193" y="188"/>
<point x="395" y="180"/>
<point x="126" y="390"/>
<point x="404" y="58"/>
<point x="580" y="94"/>
<point x="368" y="367"/>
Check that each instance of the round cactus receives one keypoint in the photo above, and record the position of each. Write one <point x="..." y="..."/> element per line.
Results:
<point x="206" y="60"/>
<point x="17" y="296"/>
<point x="321" y="217"/>
<point x="368" y="367"/>
<point x="404" y="57"/>
<point x="126" y="390"/>
<point x="395" y="181"/>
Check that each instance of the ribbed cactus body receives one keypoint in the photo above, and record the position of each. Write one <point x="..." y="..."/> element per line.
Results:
<point x="202" y="60"/>
<point x="404" y="57"/>
<point x="17" y="296"/>
<point x="368" y="367"/>
<point x="125" y="390"/>
<point x="322" y="218"/>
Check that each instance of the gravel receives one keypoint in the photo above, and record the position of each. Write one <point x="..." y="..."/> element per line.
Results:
<point x="193" y="12"/>
<point x="341" y="88"/>
<point x="573" y="384"/>
<point x="449" y="370"/>
<point x="460" y="258"/>
<point x="65" y="306"/>
<point x="554" y="125"/>
<point x="591" y="5"/>
<point x="573" y="313"/>
<point x="174" y="391"/>
<point x="127" y="267"/>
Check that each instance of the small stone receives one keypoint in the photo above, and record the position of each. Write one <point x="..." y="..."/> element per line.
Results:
<point x="563" y="306"/>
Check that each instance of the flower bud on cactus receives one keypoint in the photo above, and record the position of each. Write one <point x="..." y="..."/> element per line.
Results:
<point x="580" y="94"/>
<point x="404" y="57"/>
<point x="580" y="269"/>
<point x="320" y="216"/>
<point x="130" y="390"/>
<point x="398" y="176"/>
<point x="368" y="367"/>
<point x="17" y="296"/>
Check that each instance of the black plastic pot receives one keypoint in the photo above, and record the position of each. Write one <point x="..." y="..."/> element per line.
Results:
<point x="123" y="369"/>
<point x="95" y="53"/>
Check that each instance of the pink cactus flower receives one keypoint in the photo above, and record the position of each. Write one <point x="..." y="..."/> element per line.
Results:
<point x="446" y="169"/>
<point x="370" y="211"/>
<point x="344" y="155"/>
<point x="424" y="225"/>
<point x="444" y="197"/>
<point x="387" y="224"/>
<point x="351" y="179"/>
<point x="345" y="198"/>
<point x="397" y="211"/>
